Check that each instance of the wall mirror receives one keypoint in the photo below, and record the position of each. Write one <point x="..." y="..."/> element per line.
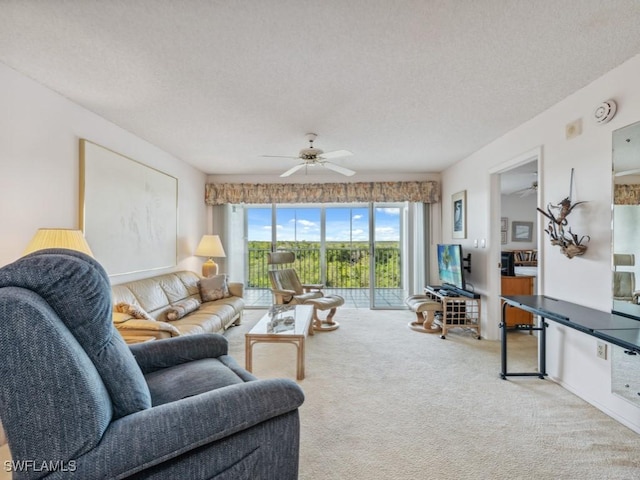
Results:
<point x="626" y="252"/>
<point x="626" y="219"/>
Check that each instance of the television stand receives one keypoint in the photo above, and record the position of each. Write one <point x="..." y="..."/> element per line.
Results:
<point x="460" y="308"/>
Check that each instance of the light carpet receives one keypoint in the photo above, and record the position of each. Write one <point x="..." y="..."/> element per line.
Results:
<point x="385" y="402"/>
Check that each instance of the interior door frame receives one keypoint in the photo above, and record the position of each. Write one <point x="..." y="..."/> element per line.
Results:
<point x="492" y="331"/>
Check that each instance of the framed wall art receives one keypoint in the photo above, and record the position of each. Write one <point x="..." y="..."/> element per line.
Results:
<point x="521" y="231"/>
<point x="504" y="222"/>
<point x="459" y="209"/>
<point x="128" y="211"/>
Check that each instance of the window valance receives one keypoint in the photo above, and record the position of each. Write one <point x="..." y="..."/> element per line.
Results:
<point x="626" y="194"/>
<point x="223" y="193"/>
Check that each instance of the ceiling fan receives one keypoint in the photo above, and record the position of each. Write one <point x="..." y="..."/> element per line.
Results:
<point x="529" y="190"/>
<point x="314" y="157"/>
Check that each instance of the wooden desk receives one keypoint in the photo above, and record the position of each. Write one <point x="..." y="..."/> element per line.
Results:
<point x="518" y="285"/>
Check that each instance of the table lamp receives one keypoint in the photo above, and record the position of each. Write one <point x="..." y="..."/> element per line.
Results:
<point x="58" y="238"/>
<point x="210" y="246"/>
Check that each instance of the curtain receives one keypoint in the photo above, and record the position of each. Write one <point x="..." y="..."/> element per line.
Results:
<point x="265" y="193"/>
<point x="626" y="194"/>
<point x="417" y="247"/>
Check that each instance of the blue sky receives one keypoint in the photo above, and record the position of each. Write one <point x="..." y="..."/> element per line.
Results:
<point x="343" y="224"/>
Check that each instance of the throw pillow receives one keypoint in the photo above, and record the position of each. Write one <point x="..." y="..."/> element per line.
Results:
<point x="134" y="310"/>
<point x="180" y="309"/>
<point x="213" y="288"/>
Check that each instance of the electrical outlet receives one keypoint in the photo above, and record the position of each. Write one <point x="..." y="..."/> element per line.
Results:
<point x="602" y="350"/>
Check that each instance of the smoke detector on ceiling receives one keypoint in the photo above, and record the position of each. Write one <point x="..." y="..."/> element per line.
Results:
<point x="605" y="111"/>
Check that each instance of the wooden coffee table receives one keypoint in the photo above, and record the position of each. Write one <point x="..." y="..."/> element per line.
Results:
<point x="282" y="324"/>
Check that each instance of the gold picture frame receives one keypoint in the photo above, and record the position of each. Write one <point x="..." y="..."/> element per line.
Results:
<point x="128" y="211"/>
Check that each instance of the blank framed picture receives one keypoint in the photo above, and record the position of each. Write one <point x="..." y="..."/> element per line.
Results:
<point x="128" y="211"/>
<point x="521" y="231"/>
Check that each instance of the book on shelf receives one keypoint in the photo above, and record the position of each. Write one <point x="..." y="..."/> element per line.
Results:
<point x="525" y="256"/>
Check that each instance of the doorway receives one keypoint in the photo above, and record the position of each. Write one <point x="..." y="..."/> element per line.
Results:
<point x="516" y="190"/>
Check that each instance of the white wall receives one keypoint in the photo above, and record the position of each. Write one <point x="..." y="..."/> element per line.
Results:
<point x="39" y="169"/>
<point x="519" y="209"/>
<point x="587" y="279"/>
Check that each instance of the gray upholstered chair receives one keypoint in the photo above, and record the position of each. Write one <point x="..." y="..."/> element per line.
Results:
<point x="77" y="402"/>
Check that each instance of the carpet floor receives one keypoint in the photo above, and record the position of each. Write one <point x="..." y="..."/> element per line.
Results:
<point x="385" y="402"/>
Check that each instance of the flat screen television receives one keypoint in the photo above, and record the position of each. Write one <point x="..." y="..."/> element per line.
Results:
<point x="450" y="265"/>
<point x="508" y="264"/>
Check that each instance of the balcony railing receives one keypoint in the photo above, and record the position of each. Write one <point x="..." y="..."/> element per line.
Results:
<point x="345" y="267"/>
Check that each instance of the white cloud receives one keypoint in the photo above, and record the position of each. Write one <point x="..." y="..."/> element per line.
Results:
<point x="389" y="211"/>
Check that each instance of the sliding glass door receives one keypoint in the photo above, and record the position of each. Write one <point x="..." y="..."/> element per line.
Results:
<point x="388" y="283"/>
<point x="355" y="250"/>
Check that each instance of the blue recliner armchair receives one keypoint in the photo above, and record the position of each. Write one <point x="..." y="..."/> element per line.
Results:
<point x="77" y="402"/>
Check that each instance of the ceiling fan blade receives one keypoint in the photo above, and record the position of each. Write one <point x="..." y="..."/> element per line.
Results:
<point x="337" y="154"/>
<point x="293" y="170"/>
<point x="338" y="168"/>
<point x="278" y="156"/>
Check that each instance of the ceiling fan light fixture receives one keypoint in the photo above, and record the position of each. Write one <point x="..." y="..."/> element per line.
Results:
<point x="315" y="157"/>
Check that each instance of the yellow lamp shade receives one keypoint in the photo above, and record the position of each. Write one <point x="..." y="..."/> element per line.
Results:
<point x="58" y="238"/>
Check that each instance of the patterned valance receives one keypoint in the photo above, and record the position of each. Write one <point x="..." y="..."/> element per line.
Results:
<point x="626" y="194"/>
<point x="223" y="193"/>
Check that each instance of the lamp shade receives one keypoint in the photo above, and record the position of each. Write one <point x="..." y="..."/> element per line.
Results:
<point x="58" y="238"/>
<point x="210" y="246"/>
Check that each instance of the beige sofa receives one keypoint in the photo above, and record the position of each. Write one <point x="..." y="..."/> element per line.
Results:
<point x="158" y="296"/>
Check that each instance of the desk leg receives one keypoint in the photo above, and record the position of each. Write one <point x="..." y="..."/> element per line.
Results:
<point x="248" y="354"/>
<point x="543" y="348"/>
<point x="503" y="339"/>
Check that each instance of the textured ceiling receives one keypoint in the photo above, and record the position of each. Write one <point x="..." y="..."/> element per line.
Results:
<point x="407" y="86"/>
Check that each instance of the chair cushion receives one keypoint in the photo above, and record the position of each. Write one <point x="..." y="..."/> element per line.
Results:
<point x="78" y="289"/>
<point x="191" y="378"/>
<point x="286" y="279"/>
<point x="214" y="288"/>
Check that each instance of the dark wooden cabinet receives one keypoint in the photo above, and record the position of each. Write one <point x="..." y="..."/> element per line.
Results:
<point x="519" y="285"/>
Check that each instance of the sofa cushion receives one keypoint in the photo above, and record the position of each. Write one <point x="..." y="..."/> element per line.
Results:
<point x="207" y="320"/>
<point x="173" y="287"/>
<point x="214" y="288"/>
<point x="190" y="281"/>
<point x="134" y="310"/>
<point x="148" y="295"/>
<point x="182" y="308"/>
